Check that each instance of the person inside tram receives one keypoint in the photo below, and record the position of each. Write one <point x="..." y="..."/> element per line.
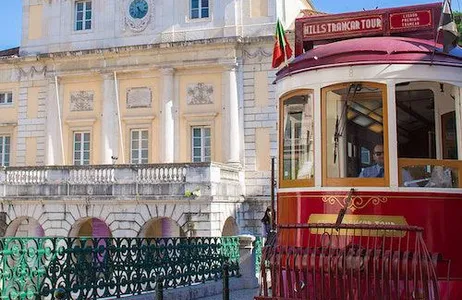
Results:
<point x="375" y="170"/>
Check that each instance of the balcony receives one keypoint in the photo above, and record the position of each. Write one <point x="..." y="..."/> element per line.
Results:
<point x="152" y="181"/>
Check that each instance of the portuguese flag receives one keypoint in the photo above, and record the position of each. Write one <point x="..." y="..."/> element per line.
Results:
<point x="281" y="46"/>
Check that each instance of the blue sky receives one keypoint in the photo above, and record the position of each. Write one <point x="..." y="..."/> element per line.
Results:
<point x="10" y="14"/>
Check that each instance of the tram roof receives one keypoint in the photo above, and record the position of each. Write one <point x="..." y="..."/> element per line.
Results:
<point x="370" y="51"/>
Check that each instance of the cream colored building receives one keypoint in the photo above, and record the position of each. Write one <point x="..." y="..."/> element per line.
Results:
<point x="133" y="82"/>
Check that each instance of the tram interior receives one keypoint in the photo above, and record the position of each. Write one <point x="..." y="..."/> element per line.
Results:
<point x="426" y="129"/>
<point x="356" y="117"/>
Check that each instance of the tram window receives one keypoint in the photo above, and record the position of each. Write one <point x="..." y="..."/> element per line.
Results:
<point x="297" y="132"/>
<point x="354" y="122"/>
<point x="427" y="135"/>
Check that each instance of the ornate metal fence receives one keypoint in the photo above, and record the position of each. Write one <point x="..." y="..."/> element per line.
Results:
<point x="258" y="247"/>
<point x="92" y="268"/>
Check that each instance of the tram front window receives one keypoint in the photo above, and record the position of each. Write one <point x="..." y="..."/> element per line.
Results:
<point x="354" y="140"/>
<point x="297" y="130"/>
<point x="427" y="135"/>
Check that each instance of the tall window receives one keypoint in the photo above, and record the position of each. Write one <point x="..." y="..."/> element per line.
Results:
<point x="297" y="143"/>
<point x="139" y="146"/>
<point x="83" y="15"/>
<point x="81" y="148"/>
<point x="199" y="9"/>
<point x="4" y="151"/>
<point x="6" y="98"/>
<point x="201" y="146"/>
<point x="354" y="134"/>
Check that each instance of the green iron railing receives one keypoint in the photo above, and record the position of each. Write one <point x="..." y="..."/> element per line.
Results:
<point x="258" y="248"/>
<point x="92" y="268"/>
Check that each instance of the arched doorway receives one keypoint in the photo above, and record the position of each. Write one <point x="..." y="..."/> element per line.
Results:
<point x="90" y="227"/>
<point x="230" y="228"/>
<point x="161" y="227"/>
<point x="25" y="227"/>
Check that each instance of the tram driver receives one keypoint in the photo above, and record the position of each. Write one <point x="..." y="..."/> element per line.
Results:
<point x="375" y="170"/>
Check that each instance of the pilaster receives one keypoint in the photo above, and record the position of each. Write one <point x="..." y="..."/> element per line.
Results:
<point x="231" y="132"/>
<point x="109" y="118"/>
<point x="167" y="116"/>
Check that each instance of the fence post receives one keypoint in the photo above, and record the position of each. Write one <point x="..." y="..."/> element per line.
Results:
<point x="247" y="264"/>
<point x="160" y="288"/>
<point x="226" y="281"/>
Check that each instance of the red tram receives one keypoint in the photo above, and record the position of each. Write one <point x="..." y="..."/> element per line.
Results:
<point x="370" y="126"/>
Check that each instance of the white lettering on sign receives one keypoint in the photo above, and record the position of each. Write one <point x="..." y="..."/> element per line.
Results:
<point x="343" y="26"/>
<point x="410" y="20"/>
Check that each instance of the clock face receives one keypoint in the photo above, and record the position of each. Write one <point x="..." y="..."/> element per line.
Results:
<point x="138" y="9"/>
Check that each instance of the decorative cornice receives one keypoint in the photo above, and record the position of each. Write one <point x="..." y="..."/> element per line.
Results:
<point x="236" y="41"/>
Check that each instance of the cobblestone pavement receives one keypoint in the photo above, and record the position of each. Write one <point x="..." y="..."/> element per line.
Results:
<point x="236" y="295"/>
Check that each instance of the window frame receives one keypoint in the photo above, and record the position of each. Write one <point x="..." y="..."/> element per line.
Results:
<point x="200" y="17"/>
<point x="202" y="146"/>
<point x="3" y="153"/>
<point x="83" y="132"/>
<point x="84" y="18"/>
<point x="140" y="148"/>
<point x="355" y="181"/>
<point x="288" y="183"/>
<point x="7" y="95"/>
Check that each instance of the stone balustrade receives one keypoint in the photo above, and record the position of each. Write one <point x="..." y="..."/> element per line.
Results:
<point x="120" y="180"/>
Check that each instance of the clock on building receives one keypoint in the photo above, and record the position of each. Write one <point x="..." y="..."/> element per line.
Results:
<point x="138" y="14"/>
<point x="138" y="9"/>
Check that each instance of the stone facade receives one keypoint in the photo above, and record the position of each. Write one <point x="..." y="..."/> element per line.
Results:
<point x="165" y="75"/>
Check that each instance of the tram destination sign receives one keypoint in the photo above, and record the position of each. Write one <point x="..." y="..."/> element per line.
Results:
<point x="343" y="26"/>
<point x="412" y="21"/>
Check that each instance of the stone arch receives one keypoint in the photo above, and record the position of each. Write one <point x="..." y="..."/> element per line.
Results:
<point x="25" y="227"/>
<point x="161" y="227"/>
<point x="230" y="227"/>
<point x="91" y="227"/>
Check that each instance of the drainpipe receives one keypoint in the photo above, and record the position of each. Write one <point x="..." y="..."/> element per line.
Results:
<point x="118" y="118"/>
<point x="60" y="121"/>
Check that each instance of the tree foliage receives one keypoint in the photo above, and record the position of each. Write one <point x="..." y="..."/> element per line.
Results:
<point x="458" y="20"/>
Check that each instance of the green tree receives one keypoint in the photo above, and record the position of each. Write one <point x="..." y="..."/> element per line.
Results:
<point x="458" y="20"/>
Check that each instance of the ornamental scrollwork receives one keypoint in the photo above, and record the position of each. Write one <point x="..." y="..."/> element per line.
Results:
<point x="200" y="93"/>
<point x="260" y="53"/>
<point x="357" y="202"/>
<point x="33" y="71"/>
<point x="137" y="25"/>
<point x="82" y="101"/>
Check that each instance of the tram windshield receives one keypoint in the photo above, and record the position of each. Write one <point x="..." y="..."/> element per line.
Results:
<point x="354" y="132"/>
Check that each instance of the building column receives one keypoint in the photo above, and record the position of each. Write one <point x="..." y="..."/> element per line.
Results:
<point x="53" y="133"/>
<point x="167" y="116"/>
<point x="109" y="122"/>
<point x="231" y="132"/>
